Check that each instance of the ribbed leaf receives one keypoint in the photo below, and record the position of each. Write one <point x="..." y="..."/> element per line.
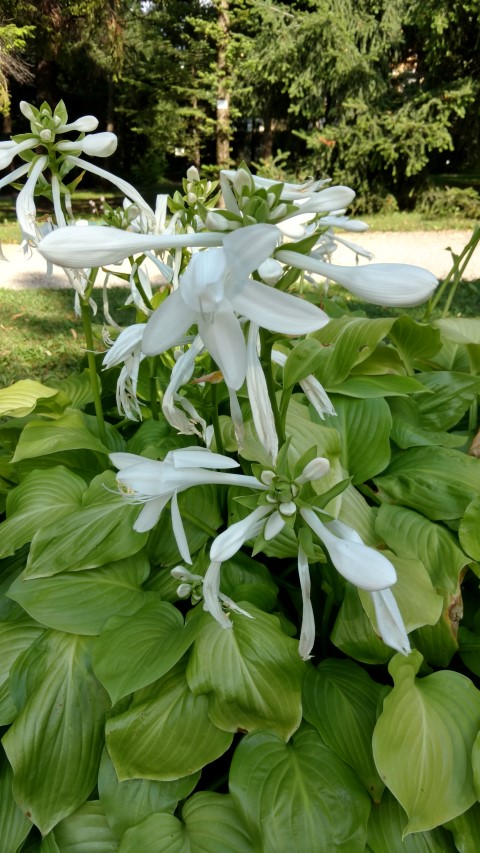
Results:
<point x="14" y="825"/>
<point x="86" y="831"/>
<point x="17" y="633"/>
<point x="340" y="700"/>
<point x="72" y="431"/>
<point x="21" y="398"/>
<point x="42" y="497"/>
<point x="128" y="803"/>
<point x="423" y="742"/>
<point x="310" y="787"/>
<point x="385" y="828"/>
<point x="466" y="830"/>
<point x="81" y="602"/>
<point x="54" y="745"/>
<point x="469" y="532"/>
<point x="251" y="674"/>
<point x="147" y="645"/>
<point x="166" y="732"/>
<point x="356" y="421"/>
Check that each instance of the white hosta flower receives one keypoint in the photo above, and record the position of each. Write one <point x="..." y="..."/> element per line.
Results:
<point x="215" y="288"/>
<point x="173" y="403"/>
<point x="99" y="245"/>
<point x="389" y="621"/>
<point x="290" y="191"/>
<point x="307" y="630"/>
<point x="260" y="404"/>
<point x="94" y="145"/>
<point x="127" y="349"/>
<point x="396" y="285"/>
<point x="155" y="484"/>
<point x="311" y="387"/>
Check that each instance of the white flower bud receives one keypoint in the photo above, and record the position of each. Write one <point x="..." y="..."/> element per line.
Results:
<point x="85" y="124"/>
<point x="270" y="271"/>
<point x="242" y="180"/>
<point x="191" y="198"/>
<point x="27" y="110"/>
<point x="99" y="144"/>
<point x="288" y="508"/>
<point x="217" y="222"/>
<point x="46" y="135"/>
<point x="192" y="174"/>
<point x="184" y="590"/>
<point x="267" y="477"/>
<point x="315" y="470"/>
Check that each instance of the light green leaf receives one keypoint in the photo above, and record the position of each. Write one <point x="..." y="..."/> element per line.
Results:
<point x="385" y="828"/>
<point x="20" y="399"/>
<point x="128" y="803"/>
<point x="166" y="732"/>
<point x="407" y="429"/>
<point x="148" y="644"/>
<point x="438" y="643"/>
<point x="459" y="330"/>
<point x="436" y="481"/>
<point x="40" y="498"/>
<point x="77" y="388"/>
<point x="310" y="786"/>
<point x="347" y="341"/>
<point x="17" y="633"/>
<point x="302" y="361"/>
<point x="72" y="431"/>
<point x="86" y="831"/>
<point x="340" y="700"/>
<point x="81" y="602"/>
<point x="55" y="742"/>
<point x="414" y="341"/>
<point x="201" y="513"/>
<point x="353" y="633"/>
<point x="412" y="535"/>
<point x="146" y="836"/>
<point x="251" y="674"/>
<point x="451" y="395"/>
<point x="422" y="743"/>
<point x="245" y="579"/>
<point x="469" y="532"/>
<point x="368" y="387"/>
<point x="466" y="830"/>
<point x="13" y="823"/>
<point x="357" y="421"/>
<point x="417" y="600"/>
<point x="98" y="533"/>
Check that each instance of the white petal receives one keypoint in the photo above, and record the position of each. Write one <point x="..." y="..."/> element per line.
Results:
<point x="167" y="325"/>
<point x="211" y="590"/>
<point x="179" y="530"/>
<point x="101" y="245"/>
<point x="231" y="540"/>
<point x="200" y="457"/>
<point x="223" y="338"/>
<point x="128" y="341"/>
<point x="363" y="566"/>
<point x="150" y="514"/>
<point x="260" y="404"/>
<point x="26" y="209"/>
<point x="395" y="285"/>
<point x="203" y="283"/>
<point x="389" y="621"/>
<point x="307" y="631"/>
<point x="278" y="311"/>
<point x="248" y="247"/>
<point x="328" y="199"/>
<point x="273" y="526"/>
<point x="317" y="396"/>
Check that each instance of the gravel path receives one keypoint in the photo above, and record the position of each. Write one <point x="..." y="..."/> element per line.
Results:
<point x="424" y="248"/>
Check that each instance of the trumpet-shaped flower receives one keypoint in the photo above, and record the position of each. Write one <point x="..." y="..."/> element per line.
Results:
<point x="400" y="285"/>
<point x="215" y="288"/>
<point x="127" y="349"/>
<point x="155" y="484"/>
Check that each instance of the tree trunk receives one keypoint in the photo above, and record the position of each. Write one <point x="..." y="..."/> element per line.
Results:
<point x="223" y="106"/>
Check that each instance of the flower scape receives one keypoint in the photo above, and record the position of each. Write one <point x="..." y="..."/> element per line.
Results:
<point x="221" y="533"/>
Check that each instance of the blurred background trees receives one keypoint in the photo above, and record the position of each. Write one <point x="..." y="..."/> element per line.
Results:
<point x="381" y="94"/>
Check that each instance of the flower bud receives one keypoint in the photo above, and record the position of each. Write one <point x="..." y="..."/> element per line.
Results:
<point x="242" y="180"/>
<point x="184" y="590"/>
<point x="46" y="135"/>
<point x="267" y="477"/>
<point x="99" y="144"/>
<point x="85" y="124"/>
<point x="315" y="470"/>
<point x="270" y="271"/>
<point x="192" y="174"/>
<point x="288" y="508"/>
<point x="28" y="111"/>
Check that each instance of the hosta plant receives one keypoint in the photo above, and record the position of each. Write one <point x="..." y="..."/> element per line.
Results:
<point x="239" y="592"/>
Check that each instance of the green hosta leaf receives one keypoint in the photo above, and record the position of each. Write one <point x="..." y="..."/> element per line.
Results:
<point x="476" y="765"/>
<point x="469" y="532"/>
<point x="130" y="802"/>
<point x="452" y="394"/>
<point x="340" y="700"/>
<point x="469" y="648"/>
<point x="13" y="823"/>
<point x="20" y="399"/>
<point x="417" y="600"/>
<point x="86" y="831"/>
<point x="302" y="361"/>
<point x="154" y="439"/>
<point x="385" y="829"/>
<point x="148" y="644"/>
<point x="368" y="387"/>
<point x="423" y="740"/>
<point x="17" y="633"/>
<point x="244" y="579"/>
<point x="81" y="602"/>
<point x="436" y="481"/>
<point x="72" y="431"/>
<point x="459" y="330"/>
<point x="466" y="830"/>
<point x="210" y="823"/>
<point x="310" y="786"/>
<point x="438" y="643"/>
<point x="54" y="745"/>
<point x="166" y="732"/>
<point x="40" y="498"/>
<point x="407" y="429"/>
<point x="412" y="535"/>
<point x="77" y="388"/>
<point x="98" y="533"/>
<point x="414" y="341"/>
<point x="251" y="674"/>
<point x="348" y="341"/>
<point x="357" y="421"/>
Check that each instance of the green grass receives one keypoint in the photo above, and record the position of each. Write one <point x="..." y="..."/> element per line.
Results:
<point x="414" y="221"/>
<point x="40" y="336"/>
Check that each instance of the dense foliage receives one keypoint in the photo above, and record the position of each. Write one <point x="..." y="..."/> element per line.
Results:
<point x="239" y="603"/>
<point x="378" y="94"/>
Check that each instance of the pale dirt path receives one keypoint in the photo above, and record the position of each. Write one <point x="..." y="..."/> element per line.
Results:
<point x="424" y="248"/>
